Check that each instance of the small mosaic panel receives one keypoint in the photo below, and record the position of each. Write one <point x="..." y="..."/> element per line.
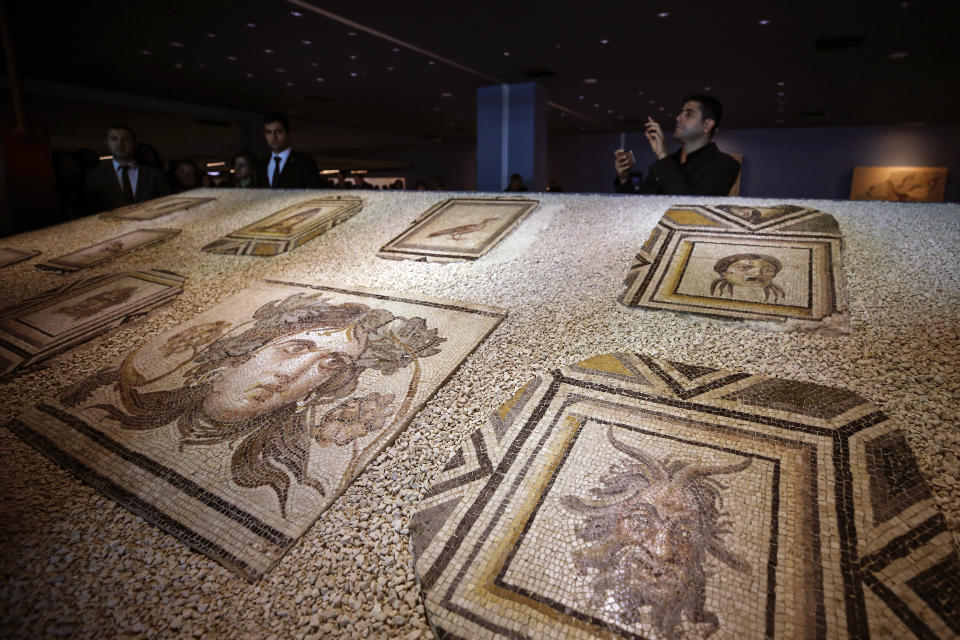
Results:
<point x="458" y="229"/>
<point x="631" y="497"/>
<point x="9" y="255"/>
<point x="155" y="208"/>
<point x="61" y="318"/>
<point x="108" y="249"/>
<point x="288" y="228"/>
<point x="776" y="267"/>
<point x="236" y="430"/>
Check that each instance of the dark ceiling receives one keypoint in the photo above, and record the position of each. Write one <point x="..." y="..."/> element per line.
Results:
<point x="414" y="67"/>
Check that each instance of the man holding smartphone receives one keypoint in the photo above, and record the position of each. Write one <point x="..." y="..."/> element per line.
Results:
<point x="697" y="168"/>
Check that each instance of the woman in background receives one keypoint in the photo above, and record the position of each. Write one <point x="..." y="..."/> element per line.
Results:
<point x="246" y="172"/>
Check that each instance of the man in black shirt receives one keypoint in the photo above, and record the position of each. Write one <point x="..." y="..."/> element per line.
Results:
<point x="697" y="168"/>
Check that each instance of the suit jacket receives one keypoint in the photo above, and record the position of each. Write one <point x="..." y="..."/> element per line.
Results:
<point x="299" y="172"/>
<point x="102" y="190"/>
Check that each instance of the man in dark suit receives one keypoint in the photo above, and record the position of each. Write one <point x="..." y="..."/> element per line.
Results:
<point x="122" y="180"/>
<point x="285" y="168"/>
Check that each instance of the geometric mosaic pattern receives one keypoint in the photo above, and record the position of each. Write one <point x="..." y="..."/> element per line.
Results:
<point x="779" y="265"/>
<point x="288" y="228"/>
<point x="626" y="496"/>
<point x="56" y="320"/>
<point x="108" y="249"/>
<point x="154" y="208"/>
<point x="235" y="430"/>
<point x="458" y="229"/>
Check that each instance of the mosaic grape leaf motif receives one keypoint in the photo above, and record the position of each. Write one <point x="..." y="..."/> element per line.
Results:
<point x="627" y="496"/>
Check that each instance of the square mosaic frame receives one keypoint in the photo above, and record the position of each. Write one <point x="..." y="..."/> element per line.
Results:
<point x="778" y="267"/>
<point x="155" y="208"/>
<point x="458" y="229"/>
<point x="61" y="318"/>
<point x="235" y="430"/>
<point x="626" y="496"/>
<point x="100" y="252"/>
<point x="288" y="228"/>
<point x="9" y="256"/>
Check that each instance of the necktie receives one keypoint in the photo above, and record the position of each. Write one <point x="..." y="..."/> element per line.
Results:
<point x="276" y="172"/>
<point x="125" y="181"/>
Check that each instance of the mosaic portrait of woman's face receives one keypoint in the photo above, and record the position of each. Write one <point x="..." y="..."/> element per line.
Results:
<point x="750" y="273"/>
<point x="282" y="371"/>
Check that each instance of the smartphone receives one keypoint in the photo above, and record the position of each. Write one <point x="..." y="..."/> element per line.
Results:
<point x="629" y="154"/>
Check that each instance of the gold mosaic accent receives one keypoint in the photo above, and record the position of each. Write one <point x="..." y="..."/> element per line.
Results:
<point x="780" y="265"/>
<point x="626" y="496"/>
<point x="54" y="321"/>
<point x="108" y="249"/>
<point x="288" y="228"/>
<point x="458" y="229"/>
<point x="237" y="429"/>
<point x="155" y="208"/>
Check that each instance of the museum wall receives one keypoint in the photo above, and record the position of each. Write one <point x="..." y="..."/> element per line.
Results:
<point x="811" y="162"/>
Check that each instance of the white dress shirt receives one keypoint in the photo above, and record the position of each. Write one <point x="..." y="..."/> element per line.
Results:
<point x="272" y="166"/>
<point x="132" y="173"/>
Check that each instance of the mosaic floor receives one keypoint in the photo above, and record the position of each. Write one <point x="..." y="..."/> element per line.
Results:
<point x="56" y="320"/>
<point x="288" y="228"/>
<point x="237" y="429"/>
<point x="459" y="229"/>
<point x="778" y="267"/>
<point x="628" y="496"/>
<point x="153" y="209"/>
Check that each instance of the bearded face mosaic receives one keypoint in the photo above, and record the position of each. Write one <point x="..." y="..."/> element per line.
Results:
<point x="776" y="267"/>
<point x="108" y="249"/>
<point x="288" y="228"/>
<point x="236" y="430"/>
<point x="155" y="208"/>
<point x="626" y="496"/>
<point x="38" y="328"/>
<point x="458" y="229"/>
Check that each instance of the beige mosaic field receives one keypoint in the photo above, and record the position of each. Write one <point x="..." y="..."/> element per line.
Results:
<point x="76" y="563"/>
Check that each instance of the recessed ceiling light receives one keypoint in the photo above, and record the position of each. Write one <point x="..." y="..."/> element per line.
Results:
<point x="436" y="108"/>
<point x="232" y="58"/>
<point x="653" y="102"/>
<point x="708" y="88"/>
<point x="639" y="93"/>
<point x="446" y="94"/>
<point x="609" y="110"/>
<point x="781" y="83"/>
<point x="431" y="62"/>
<point x="557" y="46"/>
<point x="211" y="35"/>
<point x="590" y="80"/>
<point x="663" y="14"/>
<point x="176" y="44"/>
<point x="249" y="75"/>
<point x="579" y="97"/>
<point x="389" y="68"/>
<point x="596" y="105"/>
<point x="353" y="57"/>
<point x="306" y="41"/>
<point x="251" y="24"/>
<point x="268" y="51"/>
<point x="296" y="14"/>
<point x="763" y="21"/>
<point x="280" y="70"/>
<point x="604" y="41"/>
<point x="314" y="64"/>
<point x="563" y="115"/>
<point x="289" y="84"/>
<point x="319" y="79"/>
<point x="396" y="49"/>
<point x="780" y="93"/>
<point x="506" y="54"/>
<point x="353" y="74"/>
<point x="899" y="55"/>
<point x="145" y="52"/>
<point x="662" y="108"/>
<point x="351" y="33"/>
<point x="178" y="65"/>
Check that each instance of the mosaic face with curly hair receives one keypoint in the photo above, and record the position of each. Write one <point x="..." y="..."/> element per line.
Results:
<point x="751" y="270"/>
<point x="269" y="388"/>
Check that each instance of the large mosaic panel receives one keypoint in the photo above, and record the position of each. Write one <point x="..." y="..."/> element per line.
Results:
<point x="288" y="228"/>
<point x="626" y="496"/>
<point x="458" y="229"/>
<point x="9" y="255"/>
<point x="235" y="430"/>
<point x="54" y="321"/>
<point x="155" y="208"/>
<point x="108" y="249"/>
<point x="775" y="267"/>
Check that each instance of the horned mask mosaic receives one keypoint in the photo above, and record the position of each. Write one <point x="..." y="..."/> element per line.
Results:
<point x="776" y="267"/>
<point x="236" y="430"/>
<point x="626" y="496"/>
